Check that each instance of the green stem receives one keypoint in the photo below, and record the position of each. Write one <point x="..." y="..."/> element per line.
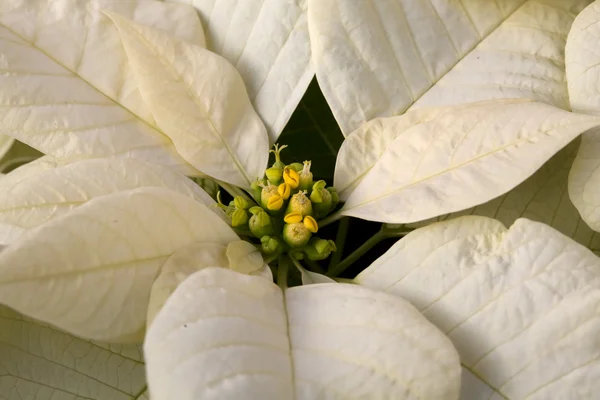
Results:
<point x="235" y="191"/>
<point x="330" y="219"/>
<point x="282" y="272"/>
<point x="340" y="240"/>
<point x="356" y="254"/>
<point x="271" y="258"/>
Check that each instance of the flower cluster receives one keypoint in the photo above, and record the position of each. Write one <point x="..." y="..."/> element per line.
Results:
<point x="289" y="204"/>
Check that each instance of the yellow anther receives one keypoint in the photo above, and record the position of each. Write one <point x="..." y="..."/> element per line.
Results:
<point x="275" y="202"/>
<point x="291" y="177"/>
<point x="311" y="224"/>
<point x="292" y="218"/>
<point x="284" y="190"/>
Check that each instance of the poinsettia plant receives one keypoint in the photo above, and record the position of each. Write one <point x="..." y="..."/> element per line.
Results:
<point x="157" y="220"/>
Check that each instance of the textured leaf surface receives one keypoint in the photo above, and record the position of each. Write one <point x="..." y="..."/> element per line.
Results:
<point x="462" y="158"/>
<point x="5" y="144"/>
<point x="68" y="89"/>
<point x="267" y="42"/>
<point x="543" y="198"/>
<point x="521" y="305"/>
<point x="49" y="194"/>
<point x="200" y="101"/>
<point x="190" y="259"/>
<point x="92" y="269"/>
<point x="583" y="73"/>
<point x="41" y="362"/>
<point x="583" y="61"/>
<point x="228" y="335"/>
<point x="377" y="59"/>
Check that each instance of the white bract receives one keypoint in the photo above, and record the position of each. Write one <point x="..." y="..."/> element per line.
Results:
<point x="252" y="340"/>
<point x="381" y="59"/>
<point x="520" y="304"/>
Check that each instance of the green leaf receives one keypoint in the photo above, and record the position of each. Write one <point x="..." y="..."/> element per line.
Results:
<point x="313" y="134"/>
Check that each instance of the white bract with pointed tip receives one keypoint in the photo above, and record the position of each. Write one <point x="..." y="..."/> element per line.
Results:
<point x="378" y="59"/>
<point x="91" y="270"/>
<point x="248" y="339"/>
<point x="58" y="98"/>
<point x="520" y="304"/>
<point x="460" y="158"/>
<point x="276" y="71"/>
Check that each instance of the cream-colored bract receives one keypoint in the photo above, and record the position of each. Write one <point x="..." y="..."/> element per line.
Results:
<point x="34" y="200"/>
<point x="378" y="59"/>
<point x="38" y="361"/>
<point x="583" y="73"/>
<point x="267" y="42"/>
<point x="199" y="100"/>
<point x="197" y="256"/>
<point x="60" y="99"/>
<point x="90" y="271"/>
<point x="462" y="158"/>
<point x="520" y="304"/>
<point x="250" y="340"/>
<point x="6" y="143"/>
<point x="542" y="198"/>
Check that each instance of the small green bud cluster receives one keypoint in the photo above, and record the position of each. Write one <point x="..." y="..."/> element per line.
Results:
<point x="290" y="203"/>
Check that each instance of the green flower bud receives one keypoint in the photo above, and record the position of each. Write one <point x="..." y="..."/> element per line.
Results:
<point x="319" y="249"/>
<point x="296" y="235"/>
<point x="255" y="210"/>
<point x="300" y="204"/>
<point x="296" y="166"/>
<point x="321" y="199"/>
<point x="277" y="151"/>
<point x="241" y="203"/>
<point x="228" y="209"/>
<point x="239" y="218"/>
<point x="335" y="198"/>
<point x="261" y="225"/>
<point x="306" y="177"/>
<point x="271" y="245"/>
<point x="256" y="188"/>
<point x="274" y="175"/>
<point x="266" y="193"/>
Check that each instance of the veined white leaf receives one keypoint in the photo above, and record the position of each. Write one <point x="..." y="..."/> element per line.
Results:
<point x="40" y="362"/>
<point x="250" y="340"/>
<point x="584" y="179"/>
<point x="9" y="233"/>
<point x="378" y="59"/>
<point x="25" y="171"/>
<point x="521" y="305"/>
<point x="6" y="143"/>
<point x="583" y="73"/>
<point x="542" y="197"/>
<point x="583" y="61"/>
<point x="36" y="199"/>
<point x="276" y="71"/>
<point x="200" y="101"/>
<point x="195" y="257"/>
<point x="68" y="89"/>
<point x="90" y="271"/>
<point x="462" y="158"/>
<point x="362" y="149"/>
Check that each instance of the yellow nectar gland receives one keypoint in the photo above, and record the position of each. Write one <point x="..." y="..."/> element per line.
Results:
<point x="275" y="203"/>
<point x="293" y="218"/>
<point x="291" y="177"/>
<point x="284" y="190"/>
<point x="311" y="224"/>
